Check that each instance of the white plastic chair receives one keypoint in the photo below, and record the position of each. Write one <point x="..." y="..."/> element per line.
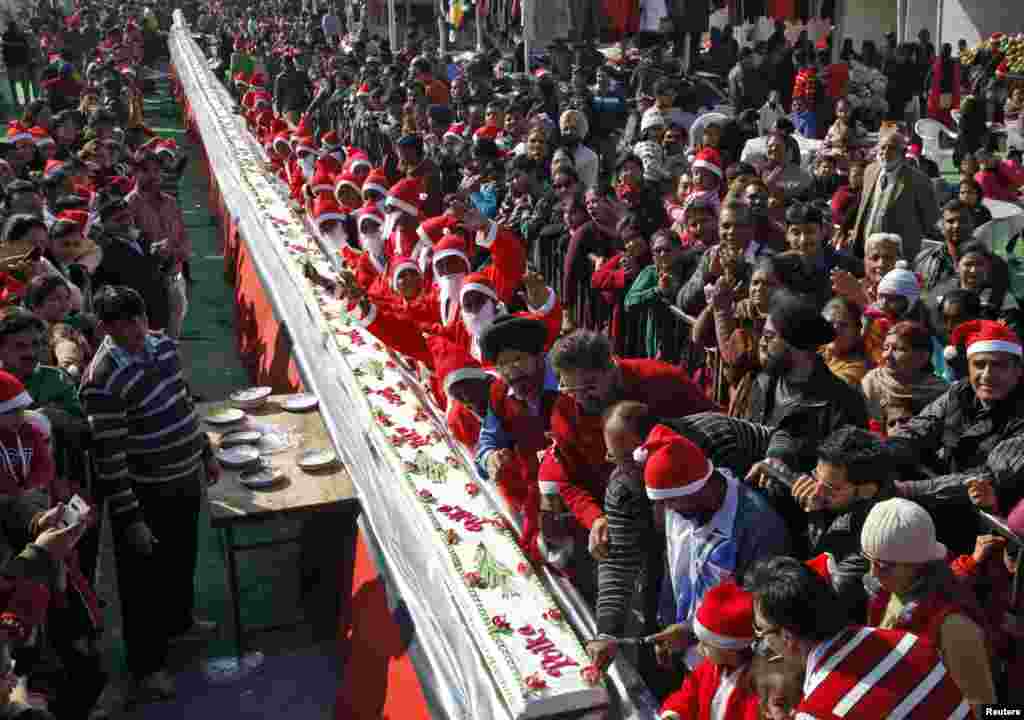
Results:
<point x="931" y="132"/>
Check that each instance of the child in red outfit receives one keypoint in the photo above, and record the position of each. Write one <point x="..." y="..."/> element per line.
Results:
<point x="25" y="459"/>
<point x="719" y="688"/>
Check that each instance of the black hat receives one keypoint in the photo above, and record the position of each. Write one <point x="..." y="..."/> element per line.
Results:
<point x="798" y="321"/>
<point x="513" y="332"/>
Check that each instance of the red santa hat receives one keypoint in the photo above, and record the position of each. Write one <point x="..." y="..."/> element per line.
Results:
<point x="347" y="179"/>
<point x="326" y="209"/>
<point x="487" y="132"/>
<point x="13" y="395"/>
<point x="330" y="141"/>
<point x="24" y="603"/>
<point x="725" y="617"/>
<point x="376" y="181"/>
<point x="304" y="129"/>
<point x="261" y="99"/>
<point x="452" y="363"/>
<point x="304" y="144"/>
<point x="406" y="195"/>
<point x="822" y="565"/>
<point x="432" y="230"/>
<point x="16" y="132"/>
<point x="398" y="266"/>
<point x="451" y="245"/>
<point x="710" y="160"/>
<point x="363" y="91"/>
<point x="369" y="212"/>
<point x="52" y="169"/>
<point x="322" y="181"/>
<point x="481" y="283"/>
<point x="358" y="159"/>
<point x="41" y="136"/>
<point x="986" y="336"/>
<point x="240" y="77"/>
<point x="673" y="466"/>
<point x="456" y="131"/>
<point x="258" y="80"/>
<point x="78" y="217"/>
<point x="166" y="146"/>
<point x="281" y="142"/>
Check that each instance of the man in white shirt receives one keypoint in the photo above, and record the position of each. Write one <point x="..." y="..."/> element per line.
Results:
<point x="575" y="127"/>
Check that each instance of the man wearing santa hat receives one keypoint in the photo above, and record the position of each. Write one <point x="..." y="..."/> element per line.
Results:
<point x="716" y="528"/>
<point x="973" y="434"/>
<point x="852" y="672"/>
<point x="718" y="688"/>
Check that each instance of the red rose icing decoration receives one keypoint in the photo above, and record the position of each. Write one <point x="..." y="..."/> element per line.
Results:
<point x="472" y="489"/>
<point x="535" y="682"/>
<point x="591" y="675"/>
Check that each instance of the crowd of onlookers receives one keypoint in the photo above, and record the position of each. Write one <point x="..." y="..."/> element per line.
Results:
<point x="94" y="410"/>
<point x="749" y="391"/>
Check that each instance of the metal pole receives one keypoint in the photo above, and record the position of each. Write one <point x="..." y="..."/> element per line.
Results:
<point x="408" y="21"/>
<point x="442" y="31"/>
<point x="392" y="26"/>
<point x="527" y="10"/>
<point x="479" y="28"/>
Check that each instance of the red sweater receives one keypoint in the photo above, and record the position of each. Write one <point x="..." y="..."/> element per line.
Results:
<point x="25" y="465"/>
<point x="580" y="467"/>
<point x="694" y="700"/>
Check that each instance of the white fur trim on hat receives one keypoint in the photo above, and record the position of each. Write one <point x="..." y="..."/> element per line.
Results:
<point x="321" y="219"/>
<point x="682" y="490"/>
<point x="403" y="206"/>
<point x="725" y="642"/>
<point x="988" y="346"/>
<point x="640" y="455"/>
<point x="547" y="487"/>
<point x="399" y="269"/>
<point x="710" y="167"/>
<point x="480" y="288"/>
<point x="669" y="715"/>
<point x="359" y="162"/>
<point x="321" y="188"/>
<point x="465" y="373"/>
<point x="20" y="136"/>
<point x="451" y="252"/>
<point x="366" y="215"/>
<point x="281" y="141"/>
<point x="46" y="140"/>
<point x="346" y="183"/>
<point x="19" y="401"/>
<point x="374" y="186"/>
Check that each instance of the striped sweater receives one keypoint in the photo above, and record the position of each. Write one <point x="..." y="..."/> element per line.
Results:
<point x="144" y="423"/>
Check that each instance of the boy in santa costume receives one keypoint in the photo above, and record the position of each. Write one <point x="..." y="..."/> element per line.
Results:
<point x="26" y="462"/>
<point x="403" y="206"/>
<point x="465" y="386"/>
<point x="719" y="688"/>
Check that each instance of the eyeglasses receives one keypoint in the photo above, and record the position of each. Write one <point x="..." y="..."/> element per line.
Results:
<point x="513" y="364"/>
<point x="882" y="565"/>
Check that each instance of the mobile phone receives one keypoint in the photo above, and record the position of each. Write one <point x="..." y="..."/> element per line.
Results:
<point x="75" y="509"/>
<point x="784" y="477"/>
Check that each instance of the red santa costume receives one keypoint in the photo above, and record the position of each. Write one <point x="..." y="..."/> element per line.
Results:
<point x="320" y="185"/>
<point x="331" y="221"/>
<point x="302" y="166"/>
<point x="331" y="146"/>
<point x="369" y="263"/>
<point x="405" y="197"/>
<point x="453" y="365"/>
<point x="392" y="319"/>
<point x="375" y="187"/>
<point x="725" y="620"/>
<point x="343" y="181"/>
<point x="580" y="469"/>
<point x="25" y="459"/>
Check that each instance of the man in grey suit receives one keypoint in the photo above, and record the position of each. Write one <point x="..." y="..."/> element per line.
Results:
<point x="897" y="198"/>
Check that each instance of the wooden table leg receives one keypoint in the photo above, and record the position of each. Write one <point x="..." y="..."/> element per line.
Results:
<point x="236" y="609"/>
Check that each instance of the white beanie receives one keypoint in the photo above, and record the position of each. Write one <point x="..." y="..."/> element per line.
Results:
<point x="901" y="281"/>
<point x="886" y="237"/>
<point x="652" y="117"/>
<point x="900" y="531"/>
<point x="582" y="124"/>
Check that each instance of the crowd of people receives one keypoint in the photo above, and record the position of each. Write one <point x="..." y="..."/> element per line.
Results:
<point x="94" y="409"/>
<point x="755" y="405"/>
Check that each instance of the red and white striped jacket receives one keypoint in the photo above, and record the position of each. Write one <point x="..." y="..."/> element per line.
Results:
<point x="866" y="673"/>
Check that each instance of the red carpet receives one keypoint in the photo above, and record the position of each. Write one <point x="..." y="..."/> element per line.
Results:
<point x="378" y="680"/>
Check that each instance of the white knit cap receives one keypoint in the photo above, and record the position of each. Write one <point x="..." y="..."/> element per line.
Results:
<point x="900" y="531"/>
<point x="652" y="117"/>
<point x="900" y="281"/>
<point x="886" y="237"/>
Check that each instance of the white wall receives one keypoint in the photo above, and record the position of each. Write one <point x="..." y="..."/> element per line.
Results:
<point x="977" y="19"/>
<point x="869" y="20"/>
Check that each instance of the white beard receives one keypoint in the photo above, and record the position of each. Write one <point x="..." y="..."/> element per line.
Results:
<point x="390" y="220"/>
<point x="451" y="288"/>
<point x="338" y="237"/>
<point x="307" y="164"/>
<point x="373" y="244"/>
<point x="477" y="322"/>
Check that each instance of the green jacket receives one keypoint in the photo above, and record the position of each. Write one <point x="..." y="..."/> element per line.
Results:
<point x="648" y="308"/>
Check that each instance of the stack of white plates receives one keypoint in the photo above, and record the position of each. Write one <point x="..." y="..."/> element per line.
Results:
<point x="250" y="398"/>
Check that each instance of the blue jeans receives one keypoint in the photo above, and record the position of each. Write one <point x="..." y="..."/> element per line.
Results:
<point x="806" y="123"/>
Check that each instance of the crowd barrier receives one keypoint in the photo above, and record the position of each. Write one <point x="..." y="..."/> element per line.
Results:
<point x="431" y="528"/>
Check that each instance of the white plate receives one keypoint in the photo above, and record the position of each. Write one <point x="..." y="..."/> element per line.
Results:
<point x="316" y="459"/>
<point x="250" y="397"/>
<point x="300" y="402"/>
<point x="238" y="456"/>
<point x="241" y="437"/>
<point x="262" y="479"/>
<point x="225" y="417"/>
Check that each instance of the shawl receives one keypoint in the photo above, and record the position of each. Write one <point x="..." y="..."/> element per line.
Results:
<point x="880" y="384"/>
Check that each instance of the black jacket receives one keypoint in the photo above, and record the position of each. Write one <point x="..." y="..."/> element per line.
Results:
<point x="124" y="264"/>
<point x="292" y="91"/>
